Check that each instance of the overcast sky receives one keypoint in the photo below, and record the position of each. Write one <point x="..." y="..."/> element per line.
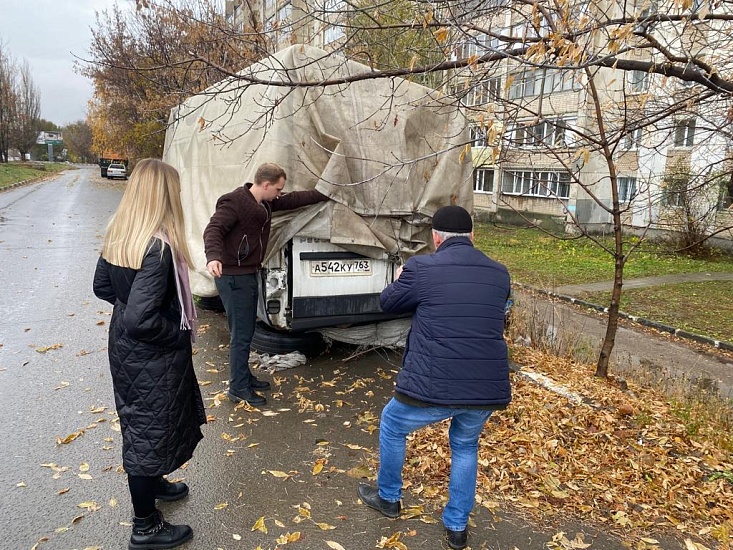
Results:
<point x="48" y="33"/>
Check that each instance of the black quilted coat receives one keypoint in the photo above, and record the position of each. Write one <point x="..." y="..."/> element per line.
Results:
<point x="156" y="392"/>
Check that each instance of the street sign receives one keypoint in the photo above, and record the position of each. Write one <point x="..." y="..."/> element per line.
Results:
<point x="54" y="142"/>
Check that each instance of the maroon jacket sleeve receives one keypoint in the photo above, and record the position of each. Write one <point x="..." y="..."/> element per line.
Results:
<point x="221" y="223"/>
<point x="296" y="199"/>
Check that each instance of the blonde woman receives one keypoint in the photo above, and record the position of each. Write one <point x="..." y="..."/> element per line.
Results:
<point x="143" y="272"/>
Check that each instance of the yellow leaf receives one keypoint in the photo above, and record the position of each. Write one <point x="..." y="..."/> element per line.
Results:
<point x="89" y="505"/>
<point x="278" y="473"/>
<point x="318" y="466"/>
<point x="260" y="525"/>
<point x="84" y="467"/>
<point x="112" y="502"/>
<point x="62" y="491"/>
<point x="21" y="484"/>
<point x="441" y="35"/>
<point x="362" y="470"/>
<point x="288" y="538"/>
<point x="334" y="545"/>
<point x="221" y="506"/>
<point x="413" y="61"/>
<point x="84" y="476"/>
<point x="236" y="536"/>
<point x="49" y="348"/>
<point x="325" y="526"/>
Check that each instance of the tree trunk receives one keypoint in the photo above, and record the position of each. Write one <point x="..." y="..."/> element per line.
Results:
<point x="609" y="340"/>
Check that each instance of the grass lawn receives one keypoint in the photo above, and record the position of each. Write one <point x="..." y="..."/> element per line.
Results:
<point x="703" y="308"/>
<point x="13" y="172"/>
<point x="541" y="261"/>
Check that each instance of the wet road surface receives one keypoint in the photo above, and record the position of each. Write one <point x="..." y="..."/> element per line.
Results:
<point x="55" y="385"/>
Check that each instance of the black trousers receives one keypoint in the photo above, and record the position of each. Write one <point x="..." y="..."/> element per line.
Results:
<point x="142" y="491"/>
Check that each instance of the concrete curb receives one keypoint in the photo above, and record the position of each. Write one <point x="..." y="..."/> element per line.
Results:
<point x="21" y="183"/>
<point x="678" y="332"/>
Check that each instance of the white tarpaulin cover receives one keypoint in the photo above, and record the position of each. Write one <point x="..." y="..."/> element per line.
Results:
<point x="388" y="153"/>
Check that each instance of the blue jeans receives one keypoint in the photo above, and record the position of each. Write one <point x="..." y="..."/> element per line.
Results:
<point x="399" y="420"/>
<point x="239" y="295"/>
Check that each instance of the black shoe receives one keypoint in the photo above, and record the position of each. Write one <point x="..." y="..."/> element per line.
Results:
<point x="260" y="385"/>
<point x="154" y="532"/>
<point x="169" y="491"/>
<point x="457" y="539"/>
<point x="370" y="496"/>
<point x="251" y="397"/>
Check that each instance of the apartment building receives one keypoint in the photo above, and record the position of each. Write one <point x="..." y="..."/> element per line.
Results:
<point x="287" y="22"/>
<point x="547" y="163"/>
<point x="535" y="129"/>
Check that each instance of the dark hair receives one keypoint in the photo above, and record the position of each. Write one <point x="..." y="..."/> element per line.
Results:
<point x="269" y="172"/>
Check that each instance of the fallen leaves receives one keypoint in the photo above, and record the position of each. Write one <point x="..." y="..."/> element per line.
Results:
<point x="622" y="460"/>
<point x="45" y="349"/>
<point x="69" y="438"/>
<point x="260" y="525"/>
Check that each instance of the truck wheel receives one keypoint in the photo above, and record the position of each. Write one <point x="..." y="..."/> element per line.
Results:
<point x="209" y="303"/>
<point x="269" y="340"/>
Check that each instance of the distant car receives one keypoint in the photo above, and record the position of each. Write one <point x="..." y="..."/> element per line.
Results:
<point x="116" y="171"/>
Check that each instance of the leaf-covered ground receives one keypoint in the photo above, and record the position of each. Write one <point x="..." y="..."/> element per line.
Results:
<point x="625" y="458"/>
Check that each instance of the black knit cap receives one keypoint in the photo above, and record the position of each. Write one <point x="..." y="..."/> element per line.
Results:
<point x="452" y="219"/>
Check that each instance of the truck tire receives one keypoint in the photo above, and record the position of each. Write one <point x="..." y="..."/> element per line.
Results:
<point x="209" y="303"/>
<point x="278" y="342"/>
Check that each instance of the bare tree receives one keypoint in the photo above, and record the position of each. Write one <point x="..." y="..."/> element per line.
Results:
<point x="7" y="100"/>
<point x="27" y="115"/>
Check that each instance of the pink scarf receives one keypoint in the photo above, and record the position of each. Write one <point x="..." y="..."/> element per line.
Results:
<point x="183" y="287"/>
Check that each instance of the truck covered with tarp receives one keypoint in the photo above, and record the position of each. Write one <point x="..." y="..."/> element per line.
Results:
<point x="386" y="151"/>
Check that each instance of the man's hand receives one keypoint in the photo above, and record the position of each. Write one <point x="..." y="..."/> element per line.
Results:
<point x="398" y="272"/>
<point x="214" y="268"/>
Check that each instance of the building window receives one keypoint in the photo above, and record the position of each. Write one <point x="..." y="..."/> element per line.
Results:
<point x="548" y="133"/>
<point x="526" y="84"/>
<point x="479" y="93"/>
<point x="626" y="189"/>
<point x="632" y="140"/>
<point x="684" y="133"/>
<point x="674" y="198"/>
<point x="479" y="136"/>
<point x="534" y="183"/>
<point x="476" y="46"/>
<point x="638" y="81"/>
<point x="535" y="82"/>
<point x="284" y="18"/>
<point x="483" y="180"/>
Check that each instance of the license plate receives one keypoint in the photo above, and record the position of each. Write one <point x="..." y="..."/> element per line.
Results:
<point x="340" y="268"/>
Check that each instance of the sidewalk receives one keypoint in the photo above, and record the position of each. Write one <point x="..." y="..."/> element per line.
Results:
<point x="571" y="290"/>
<point x="568" y="293"/>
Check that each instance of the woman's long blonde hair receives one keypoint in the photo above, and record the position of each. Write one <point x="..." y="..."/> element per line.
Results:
<point x="151" y="204"/>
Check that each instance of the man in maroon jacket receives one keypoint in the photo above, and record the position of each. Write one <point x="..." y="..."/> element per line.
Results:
<point x="235" y="241"/>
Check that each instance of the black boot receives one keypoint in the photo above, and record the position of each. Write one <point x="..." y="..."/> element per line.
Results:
<point x="457" y="539"/>
<point x="370" y="496"/>
<point x="169" y="491"/>
<point x="154" y="532"/>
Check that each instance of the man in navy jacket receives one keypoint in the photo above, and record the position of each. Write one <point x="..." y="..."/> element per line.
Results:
<point x="455" y="363"/>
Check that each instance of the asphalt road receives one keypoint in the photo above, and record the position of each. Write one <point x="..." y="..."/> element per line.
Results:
<point x="54" y="382"/>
